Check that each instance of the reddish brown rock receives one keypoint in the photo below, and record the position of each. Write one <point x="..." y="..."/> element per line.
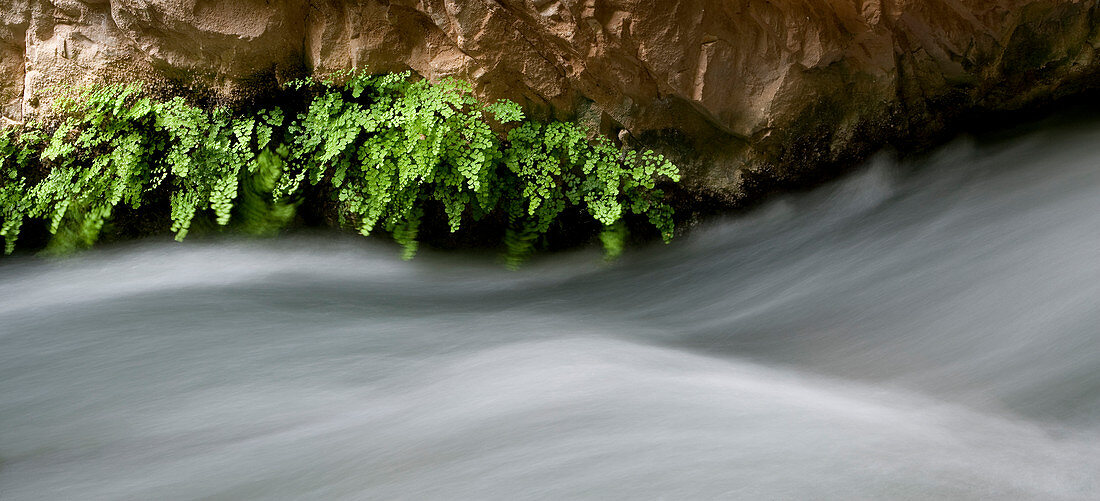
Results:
<point x="736" y="91"/>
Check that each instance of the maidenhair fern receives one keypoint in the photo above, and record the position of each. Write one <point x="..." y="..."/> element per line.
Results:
<point x="386" y="147"/>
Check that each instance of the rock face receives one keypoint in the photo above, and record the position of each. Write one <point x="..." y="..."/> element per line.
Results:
<point x="736" y="91"/>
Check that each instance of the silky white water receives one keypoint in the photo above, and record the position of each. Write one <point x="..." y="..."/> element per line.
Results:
<point x="922" y="329"/>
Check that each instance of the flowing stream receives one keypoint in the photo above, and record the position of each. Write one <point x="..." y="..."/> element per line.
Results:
<point x="920" y="329"/>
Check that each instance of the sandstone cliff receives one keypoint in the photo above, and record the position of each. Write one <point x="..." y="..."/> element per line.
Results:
<point x="738" y="92"/>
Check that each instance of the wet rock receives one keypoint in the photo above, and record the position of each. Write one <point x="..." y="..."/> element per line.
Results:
<point x="740" y="93"/>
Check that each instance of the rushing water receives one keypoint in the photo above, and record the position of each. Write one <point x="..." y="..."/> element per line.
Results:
<point x="922" y="329"/>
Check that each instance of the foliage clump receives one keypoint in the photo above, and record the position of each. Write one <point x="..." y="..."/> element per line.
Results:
<point x="387" y="148"/>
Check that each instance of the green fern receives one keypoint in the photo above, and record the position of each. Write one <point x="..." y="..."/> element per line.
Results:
<point x="260" y="214"/>
<point x="385" y="146"/>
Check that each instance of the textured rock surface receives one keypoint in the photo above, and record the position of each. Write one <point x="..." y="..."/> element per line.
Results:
<point x="738" y="91"/>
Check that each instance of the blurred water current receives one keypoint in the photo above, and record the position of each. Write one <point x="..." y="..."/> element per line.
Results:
<point x="920" y="329"/>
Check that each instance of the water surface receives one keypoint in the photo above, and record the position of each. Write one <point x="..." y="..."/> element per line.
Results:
<point x="921" y="329"/>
